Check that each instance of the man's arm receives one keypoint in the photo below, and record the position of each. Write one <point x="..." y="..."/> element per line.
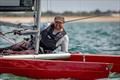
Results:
<point x="65" y="44"/>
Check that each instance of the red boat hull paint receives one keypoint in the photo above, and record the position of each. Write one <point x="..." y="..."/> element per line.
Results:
<point x="55" y="69"/>
<point x="114" y="59"/>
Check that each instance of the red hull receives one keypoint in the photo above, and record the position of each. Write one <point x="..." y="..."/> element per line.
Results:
<point x="54" y="69"/>
<point x="79" y="66"/>
<point x="114" y="59"/>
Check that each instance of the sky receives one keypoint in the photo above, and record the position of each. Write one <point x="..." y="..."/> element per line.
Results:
<point x="80" y="5"/>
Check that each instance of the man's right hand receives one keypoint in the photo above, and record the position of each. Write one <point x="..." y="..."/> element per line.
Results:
<point x="17" y="32"/>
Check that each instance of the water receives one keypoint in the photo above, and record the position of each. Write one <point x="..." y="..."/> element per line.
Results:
<point x="15" y="38"/>
<point x="85" y="37"/>
<point x="94" y="37"/>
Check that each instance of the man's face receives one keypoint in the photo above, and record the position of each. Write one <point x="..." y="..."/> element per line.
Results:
<point x="59" y="25"/>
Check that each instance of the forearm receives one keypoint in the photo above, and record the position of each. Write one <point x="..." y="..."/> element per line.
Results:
<point x="64" y="47"/>
<point x="65" y="44"/>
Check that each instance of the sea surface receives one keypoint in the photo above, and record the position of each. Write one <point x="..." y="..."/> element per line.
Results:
<point x="85" y="37"/>
<point x="94" y="37"/>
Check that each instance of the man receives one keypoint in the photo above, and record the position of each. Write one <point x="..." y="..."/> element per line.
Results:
<point x="55" y="36"/>
<point x="51" y="38"/>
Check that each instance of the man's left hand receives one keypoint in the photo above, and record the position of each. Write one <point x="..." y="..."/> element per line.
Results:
<point x="1" y="33"/>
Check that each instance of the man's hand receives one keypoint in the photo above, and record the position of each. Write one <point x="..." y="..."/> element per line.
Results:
<point x="1" y="33"/>
<point x="17" y="32"/>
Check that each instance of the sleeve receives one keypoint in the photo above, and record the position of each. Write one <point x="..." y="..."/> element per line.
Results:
<point x="65" y="44"/>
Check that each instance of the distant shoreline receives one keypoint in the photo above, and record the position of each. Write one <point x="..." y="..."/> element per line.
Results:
<point x="67" y="18"/>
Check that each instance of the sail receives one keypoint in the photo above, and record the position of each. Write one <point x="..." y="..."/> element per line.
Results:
<point x="16" y="5"/>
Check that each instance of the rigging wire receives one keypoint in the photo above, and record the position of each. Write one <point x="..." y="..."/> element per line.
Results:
<point x="89" y="17"/>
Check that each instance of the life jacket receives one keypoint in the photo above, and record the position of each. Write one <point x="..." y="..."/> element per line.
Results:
<point x="49" y="40"/>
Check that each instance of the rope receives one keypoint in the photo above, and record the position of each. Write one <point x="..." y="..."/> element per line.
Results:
<point x="81" y="19"/>
<point x="7" y="39"/>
